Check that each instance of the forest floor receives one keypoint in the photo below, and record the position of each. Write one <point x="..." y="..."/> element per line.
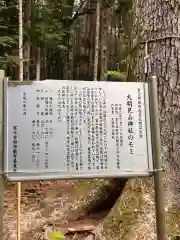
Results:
<point x="39" y="199"/>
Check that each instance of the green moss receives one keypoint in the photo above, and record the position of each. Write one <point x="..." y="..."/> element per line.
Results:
<point x="116" y="75"/>
<point x="84" y="186"/>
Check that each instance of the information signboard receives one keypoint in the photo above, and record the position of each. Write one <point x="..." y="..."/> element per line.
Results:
<point x="76" y="129"/>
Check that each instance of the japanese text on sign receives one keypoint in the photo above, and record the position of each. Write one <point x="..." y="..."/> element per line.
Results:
<point x="77" y="128"/>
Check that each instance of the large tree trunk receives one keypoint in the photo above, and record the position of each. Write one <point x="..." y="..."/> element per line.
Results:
<point x="155" y="21"/>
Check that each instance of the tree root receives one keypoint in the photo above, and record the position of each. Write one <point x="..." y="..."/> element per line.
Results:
<point x="83" y="199"/>
<point x="133" y="215"/>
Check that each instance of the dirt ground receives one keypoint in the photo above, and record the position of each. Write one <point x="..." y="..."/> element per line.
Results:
<point x="39" y="199"/>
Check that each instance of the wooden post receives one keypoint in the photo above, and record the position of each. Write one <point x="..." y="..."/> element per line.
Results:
<point x="156" y="147"/>
<point x="1" y="154"/>
<point x="18" y="210"/>
<point x="20" y="79"/>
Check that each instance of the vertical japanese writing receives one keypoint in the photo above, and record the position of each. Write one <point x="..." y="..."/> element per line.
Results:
<point x="84" y="105"/>
<point x="80" y="108"/>
<point x="64" y="89"/>
<point x="44" y="103"/>
<point x="48" y="106"/>
<point x="59" y="106"/>
<point x="14" y="149"/>
<point x="36" y="153"/>
<point x="140" y="114"/>
<point x="72" y="123"/>
<point x="89" y="129"/>
<point x="105" y="157"/>
<point x="117" y="129"/>
<point x="24" y="104"/>
<point x="36" y="137"/>
<point x="68" y="143"/>
<point x="39" y="99"/>
<point x="121" y="125"/>
<point x="46" y="161"/>
<point x="97" y="132"/>
<point x="79" y="129"/>
<point x="79" y="132"/>
<point x="74" y="152"/>
<point x="92" y="146"/>
<point x="42" y="129"/>
<point x="130" y="124"/>
<point x="66" y="100"/>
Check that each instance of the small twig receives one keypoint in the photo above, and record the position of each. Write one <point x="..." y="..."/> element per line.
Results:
<point x="74" y="236"/>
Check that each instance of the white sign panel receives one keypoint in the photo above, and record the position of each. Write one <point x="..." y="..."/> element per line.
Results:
<point x="75" y="129"/>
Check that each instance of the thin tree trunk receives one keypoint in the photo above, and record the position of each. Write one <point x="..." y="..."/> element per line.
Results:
<point x="38" y="64"/>
<point x="96" y="50"/>
<point x="20" y="7"/>
<point x="104" y="40"/>
<point x="44" y="62"/>
<point x="78" y="49"/>
<point x="27" y="25"/>
<point x="20" y="42"/>
<point x="91" y="36"/>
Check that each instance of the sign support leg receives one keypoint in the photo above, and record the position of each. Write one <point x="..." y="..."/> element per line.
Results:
<point x="2" y="74"/>
<point x="156" y="150"/>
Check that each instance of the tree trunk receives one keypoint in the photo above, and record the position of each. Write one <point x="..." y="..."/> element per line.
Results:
<point x="91" y="36"/>
<point x="68" y="12"/>
<point x="96" y="48"/>
<point x="20" y="9"/>
<point x="104" y="46"/>
<point x="27" y="25"/>
<point x="155" y="21"/>
<point x="38" y="64"/>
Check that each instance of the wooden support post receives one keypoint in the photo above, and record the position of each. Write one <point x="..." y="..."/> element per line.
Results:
<point x="18" y="210"/>
<point x="20" y="79"/>
<point x="156" y="150"/>
<point x="1" y="154"/>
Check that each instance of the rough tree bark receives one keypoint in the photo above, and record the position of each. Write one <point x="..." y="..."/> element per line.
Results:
<point x="158" y="22"/>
